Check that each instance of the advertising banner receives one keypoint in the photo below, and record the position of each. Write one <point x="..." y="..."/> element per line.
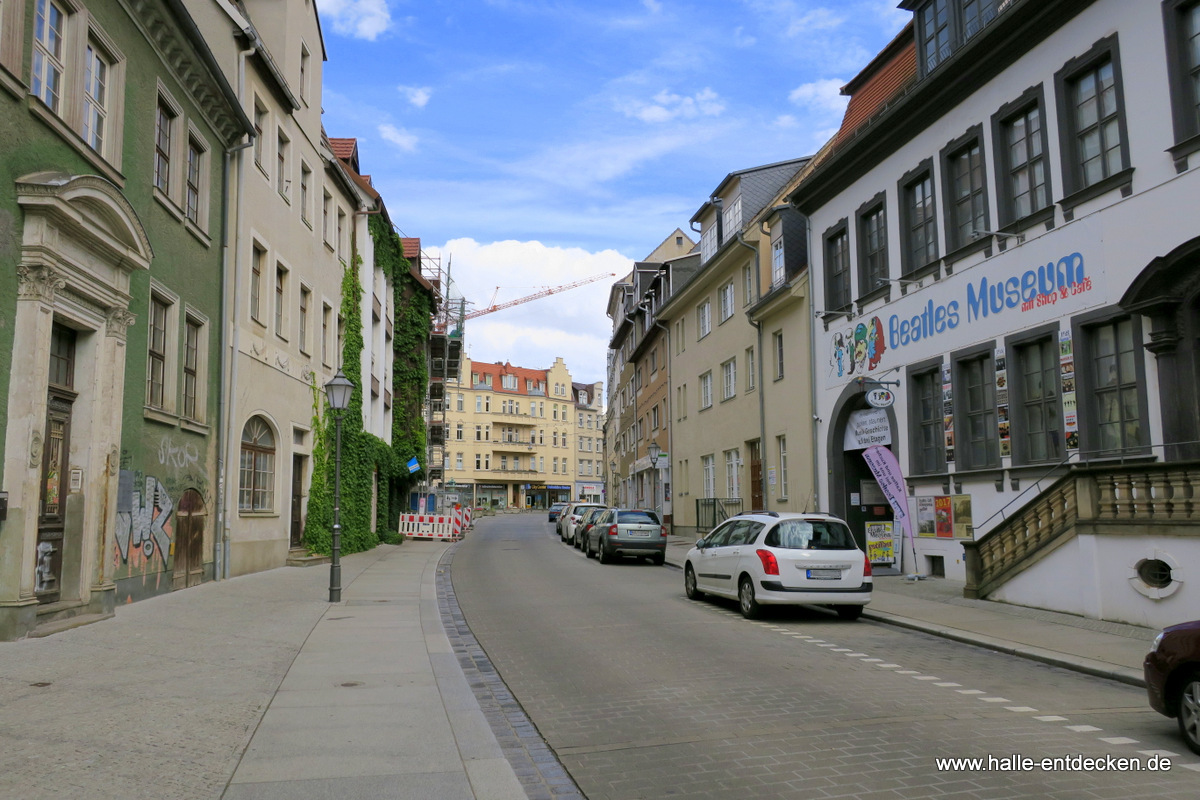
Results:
<point x="868" y="427"/>
<point x="881" y="542"/>
<point x="887" y="472"/>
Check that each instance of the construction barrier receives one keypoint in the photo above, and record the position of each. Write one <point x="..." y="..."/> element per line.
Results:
<point x="451" y="526"/>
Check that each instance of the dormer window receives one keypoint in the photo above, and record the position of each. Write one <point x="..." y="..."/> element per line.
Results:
<point x="708" y="242"/>
<point x="943" y="26"/>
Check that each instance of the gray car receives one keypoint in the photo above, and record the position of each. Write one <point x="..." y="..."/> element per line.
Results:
<point x="627" y="532"/>
<point x="571" y="518"/>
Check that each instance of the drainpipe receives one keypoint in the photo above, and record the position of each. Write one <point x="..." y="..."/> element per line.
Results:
<point x="230" y="323"/>
<point x="812" y="343"/>
<point x="762" y="391"/>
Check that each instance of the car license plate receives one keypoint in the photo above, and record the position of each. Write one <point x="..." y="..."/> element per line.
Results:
<point x="825" y="574"/>
<point x="640" y="534"/>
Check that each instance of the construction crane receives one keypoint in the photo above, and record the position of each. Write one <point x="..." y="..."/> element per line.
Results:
<point x="493" y="306"/>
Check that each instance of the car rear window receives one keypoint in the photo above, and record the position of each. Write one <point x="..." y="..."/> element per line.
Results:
<point x="802" y="534"/>
<point x="637" y="518"/>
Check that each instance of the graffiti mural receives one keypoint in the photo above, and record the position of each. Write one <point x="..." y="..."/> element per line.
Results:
<point x="144" y="525"/>
<point x="177" y="456"/>
<point x="858" y="349"/>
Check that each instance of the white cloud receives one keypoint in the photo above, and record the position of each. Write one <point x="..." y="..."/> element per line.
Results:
<point x="743" y="39"/>
<point x="820" y="19"/>
<point x="398" y="136"/>
<point x="822" y="95"/>
<point x="653" y="6"/>
<point x="583" y="165"/>
<point x="570" y="324"/>
<point x="785" y="121"/>
<point x="667" y="106"/>
<point x="361" y="19"/>
<point x="416" y="95"/>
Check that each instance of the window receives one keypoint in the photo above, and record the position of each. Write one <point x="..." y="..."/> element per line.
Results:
<point x="975" y="406"/>
<point x="918" y="223"/>
<point x="653" y="421"/>
<point x="459" y="402"/>
<point x="341" y="227"/>
<point x="837" y="268"/>
<point x="554" y="465"/>
<point x="479" y="433"/>
<point x="478" y="403"/>
<point x="725" y="296"/>
<point x="750" y="370"/>
<point x="458" y="432"/>
<point x="305" y="190"/>
<point x="305" y="301"/>
<point x="96" y="69"/>
<point x="778" y="342"/>
<point x="1020" y="138"/>
<point x="1037" y="417"/>
<point x="326" y="312"/>
<point x="1116" y="417"/>
<point x="703" y="319"/>
<point x="282" y="182"/>
<point x="942" y="26"/>
<point x="191" y="366"/>
<point x="326" y="202"/>
<point x="706" y="390"/>
<point x="193" y="189"/>
<point x="731" y="217"/>
<point x="710" y="476"/>
<point x="1092" y="120"/>
<point x="157" y="361"/>
<point x="1182" y="21"/>
<point x="708" y="242"/>
<point x="927" y="418"/>
<point x="778" y="267"/>
<point x="747" y="286"/>
<point x="783" y="467"/>
<point x="729" y="379"/>
<point x="280" y="286"/>
<point x="872" y="248"/>
<point x="680" y="343"/>
<point x="733" y="480"/>
<point x="257" y="259"/>
<point x="509" y="382"/>
<point x="164" y="123"/>
<point x="48" y="54"/>
<point x="260" y="122"/>
<point x="305" y="66"/>
<point x="458" y="461"/>
<point x="966" y="204"/>
<point x="478" y="461"/>
<point x="256" y="488"/>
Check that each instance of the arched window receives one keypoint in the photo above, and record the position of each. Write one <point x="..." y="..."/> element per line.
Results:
<point x="257" y="483"/>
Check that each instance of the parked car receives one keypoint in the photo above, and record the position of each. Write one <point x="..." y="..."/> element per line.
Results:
<point x="768" y="558"/>
<point x="555" y="510"/>
<point x="626" y="532"/>
<point x="589" y="517"/>
<point x="1172" y="670"/>
<point x="573" y="518"/>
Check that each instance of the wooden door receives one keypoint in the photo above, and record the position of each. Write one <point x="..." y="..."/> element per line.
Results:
<point x="56" y="467"/>
<point x="297" y="531"/>
<point x="191" y="518"/>
<point x="756" y="483"/>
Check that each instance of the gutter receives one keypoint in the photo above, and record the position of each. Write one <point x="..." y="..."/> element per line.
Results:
<point x="762" y="391"/>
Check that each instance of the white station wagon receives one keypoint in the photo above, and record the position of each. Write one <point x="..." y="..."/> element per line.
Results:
<point x="768" y="558"/>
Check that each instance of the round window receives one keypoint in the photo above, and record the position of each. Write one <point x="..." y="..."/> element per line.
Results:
<point x="1155" y="572"/>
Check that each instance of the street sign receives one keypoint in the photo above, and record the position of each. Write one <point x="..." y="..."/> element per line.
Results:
<point x="880" y="398"/>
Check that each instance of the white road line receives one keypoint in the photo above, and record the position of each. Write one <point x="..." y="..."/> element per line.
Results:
<point x="995" y="700"/>
<point x="971" y="691"/>
<point x="1083" y="728"/>
<point x="947" y="684"/>
<point x="1020" y="709"/>
<point x="1119" y="740"/>
<point x="907" y="672"/>
<point x="1166" y="753"/>
<point x="856" y="655"/>
<point x="888" y="666"/>
<point x="1051" y="718"/>
<point x="872" y="660"/>
<point x="926" y="678"/>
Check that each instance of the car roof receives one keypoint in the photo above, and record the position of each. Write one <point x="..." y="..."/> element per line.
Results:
<point x="768" y="516"/>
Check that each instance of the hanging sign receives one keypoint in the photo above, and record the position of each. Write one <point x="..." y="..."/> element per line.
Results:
<point x="880" y="398"/>
<point x="866" y="428"/>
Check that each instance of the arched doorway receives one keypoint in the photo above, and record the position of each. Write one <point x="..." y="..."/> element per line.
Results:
<point x="191" y="517"/>
<point x="854" y="494"/>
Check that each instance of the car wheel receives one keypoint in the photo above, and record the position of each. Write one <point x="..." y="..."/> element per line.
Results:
<point x="749" y="606"/>
<point x="604" y="557"/>
<point x="849" y="612"/>
<point x="1189" y="712"/>
<point x="689" y="584"/>
<point x="658" y="560"/>
<point x="587" y="548"/>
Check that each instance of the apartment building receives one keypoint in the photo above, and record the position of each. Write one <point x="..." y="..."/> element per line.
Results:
<point x="589" y="441"/>
<point x="512" y="438"/>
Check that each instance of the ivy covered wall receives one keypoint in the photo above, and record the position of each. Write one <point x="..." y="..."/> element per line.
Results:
<point x="365" y="456"/>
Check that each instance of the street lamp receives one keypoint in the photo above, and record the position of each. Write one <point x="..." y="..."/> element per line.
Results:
<point x="654" y="451"/>
<point x="612" y="473"/>
<point x="338" y="392"/>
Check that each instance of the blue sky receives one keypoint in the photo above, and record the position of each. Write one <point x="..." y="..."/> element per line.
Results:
<point x="534" y="143"/>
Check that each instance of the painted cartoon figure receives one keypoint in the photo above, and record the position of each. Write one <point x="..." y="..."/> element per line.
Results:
<point x="860" y="348"/>
<point x="838" y="359"/>
<point x="875" y="343"/>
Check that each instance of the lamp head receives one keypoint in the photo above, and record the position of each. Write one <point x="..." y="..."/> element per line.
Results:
<point x="338" y="391"/>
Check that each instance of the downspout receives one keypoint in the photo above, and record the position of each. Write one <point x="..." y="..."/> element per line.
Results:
<point x="812" y="344"/>
<point x="230" y="321"/>
<point x="762" y="391"/>
<point x="670" y="428"/>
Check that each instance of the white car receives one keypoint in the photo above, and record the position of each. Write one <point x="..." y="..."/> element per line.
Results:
<point x="568" y="521"/>
<point x="768" y="558"/>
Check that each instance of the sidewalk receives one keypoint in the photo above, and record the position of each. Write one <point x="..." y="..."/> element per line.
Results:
<point x="936" y="606"/>
<point x="258" y="688"/>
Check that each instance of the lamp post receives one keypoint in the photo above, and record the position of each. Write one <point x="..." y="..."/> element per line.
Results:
<point x="338" y="392"/>
<point x="612" y="473"/>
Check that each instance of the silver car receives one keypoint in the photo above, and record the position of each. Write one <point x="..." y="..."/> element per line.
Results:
<point x="627" y="532"/>
<point x="572" y="519"/>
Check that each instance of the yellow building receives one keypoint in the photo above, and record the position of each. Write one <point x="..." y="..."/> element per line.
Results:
<point x="511" y="435"/>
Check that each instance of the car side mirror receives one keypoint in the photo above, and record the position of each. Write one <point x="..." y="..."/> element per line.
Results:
<point x="699" y="544"/>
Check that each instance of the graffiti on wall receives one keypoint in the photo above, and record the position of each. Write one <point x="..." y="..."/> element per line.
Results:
<point x="177" y="456"/>
<point x="144" y="525"/>
<point x="857" y="350"/>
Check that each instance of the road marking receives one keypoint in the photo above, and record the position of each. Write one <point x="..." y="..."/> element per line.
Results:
<point x="815" y="641"/>
<point x="947" y="684"/>
<point x="971" y="691"/>
<point x="907" y="672"/>
<point x="1051" y="718"/>
<point x="1020" y="709"/>
<point x="801" y="635"/>
<point x="926" y="678"/>
<point x="827" y="644"/>
<point x="995" y="700"/>
<point x="872" y="660"/>
<point x="1193" y="767"/>
<point x="888" y="666"/>
<point x="856" y="655"/>
<point x="840" y="650"/>
<point x="1167" y="753"/>
<point x="1083" y="728"/>
<point x="1119" y="740"/>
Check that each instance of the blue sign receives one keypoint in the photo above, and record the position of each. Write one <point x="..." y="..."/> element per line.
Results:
<point x="413" y="464"/>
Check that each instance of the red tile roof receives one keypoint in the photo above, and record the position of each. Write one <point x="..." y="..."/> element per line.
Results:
<point x="522" y="373"/>
<point x="888" y="74"/>
<point x="344" y="148"/>
<point x="412" y="247"/>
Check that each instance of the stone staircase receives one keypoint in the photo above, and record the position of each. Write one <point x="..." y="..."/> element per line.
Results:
<point x="1088" y="499"/>
<point x="300" y="557"/>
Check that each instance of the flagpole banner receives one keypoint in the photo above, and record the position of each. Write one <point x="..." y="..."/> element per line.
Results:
<point x="890" y="477"/>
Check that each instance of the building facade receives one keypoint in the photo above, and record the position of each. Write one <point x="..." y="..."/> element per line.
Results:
<point x="997" y="245"/>
<point x="110" y="196"/>
<point x="589" y="441"/>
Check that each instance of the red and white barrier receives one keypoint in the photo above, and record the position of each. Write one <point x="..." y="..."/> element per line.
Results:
<point x="451" y="526"/>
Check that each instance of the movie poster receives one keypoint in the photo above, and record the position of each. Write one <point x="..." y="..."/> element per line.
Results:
<point x="944" y="516"/>
<point x="1002" y="403"/>
<point x="926" y="516"/>
<point x="963" y="521"/>
<point x="1066" y="363"/>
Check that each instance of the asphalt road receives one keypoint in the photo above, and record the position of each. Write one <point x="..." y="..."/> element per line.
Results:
<point x="643" y="693"/>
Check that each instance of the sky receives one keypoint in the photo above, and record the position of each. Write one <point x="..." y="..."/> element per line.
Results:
<point x="535" y="143"/>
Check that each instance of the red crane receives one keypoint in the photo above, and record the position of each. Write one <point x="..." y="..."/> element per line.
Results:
<point x="544" y="293"/>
